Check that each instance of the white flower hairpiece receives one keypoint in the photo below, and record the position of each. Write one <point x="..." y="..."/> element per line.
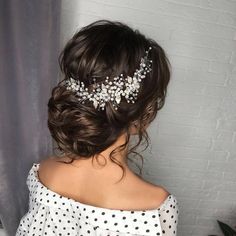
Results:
<point x="112" y="90"/>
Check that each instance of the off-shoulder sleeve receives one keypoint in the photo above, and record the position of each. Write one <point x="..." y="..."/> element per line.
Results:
<point x="46" y="221"/>
<point x="168" y="214"/>
<point x="37" y="221"/>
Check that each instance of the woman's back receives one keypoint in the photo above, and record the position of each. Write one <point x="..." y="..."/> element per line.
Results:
<point x="51" y="213"/>
<point x="92" y="187"/>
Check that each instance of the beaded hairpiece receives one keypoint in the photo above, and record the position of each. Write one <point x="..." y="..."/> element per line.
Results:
<point x="112" y="90"/>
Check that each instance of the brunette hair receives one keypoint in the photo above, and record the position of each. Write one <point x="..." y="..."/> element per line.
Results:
<point x="106" y="48"/>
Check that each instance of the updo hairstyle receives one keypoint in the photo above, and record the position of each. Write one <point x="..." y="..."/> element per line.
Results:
<point x="105" y="48"/>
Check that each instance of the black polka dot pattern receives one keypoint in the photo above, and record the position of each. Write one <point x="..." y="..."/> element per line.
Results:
<point x="51" y="214"/>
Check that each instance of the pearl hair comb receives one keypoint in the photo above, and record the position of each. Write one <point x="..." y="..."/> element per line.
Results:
<point x="112" y="90"/>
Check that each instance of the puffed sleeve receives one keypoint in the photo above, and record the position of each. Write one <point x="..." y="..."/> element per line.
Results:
<point x="37" y="221"/>
<point x="168" y="214"/>
<point x="46" y="221"/>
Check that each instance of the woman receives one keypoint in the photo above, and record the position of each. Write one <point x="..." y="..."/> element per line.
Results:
<point x="115" y="81"/>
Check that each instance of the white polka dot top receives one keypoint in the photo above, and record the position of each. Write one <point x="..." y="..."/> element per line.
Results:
<point x="51" y="214"/>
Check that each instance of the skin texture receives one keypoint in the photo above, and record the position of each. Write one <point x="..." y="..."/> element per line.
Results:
<point x="95" y="184"/>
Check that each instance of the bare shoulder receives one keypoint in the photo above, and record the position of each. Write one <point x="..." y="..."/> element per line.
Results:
<point x="159" y="195"/>
<point x="149" y="195"/>
<point x="162" y="194"/>
<point x="46" y="164"/>
<point x="49" y="162"/>
<point x="157" y="190"/>
<point x="47" y="171"/>
<point x="161" y="191"/>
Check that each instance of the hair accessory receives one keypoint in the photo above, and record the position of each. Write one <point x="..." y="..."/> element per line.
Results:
<point x="112" y="90"/>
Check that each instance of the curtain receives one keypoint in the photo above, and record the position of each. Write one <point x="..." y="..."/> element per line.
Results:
<point x="29" y="49"/>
